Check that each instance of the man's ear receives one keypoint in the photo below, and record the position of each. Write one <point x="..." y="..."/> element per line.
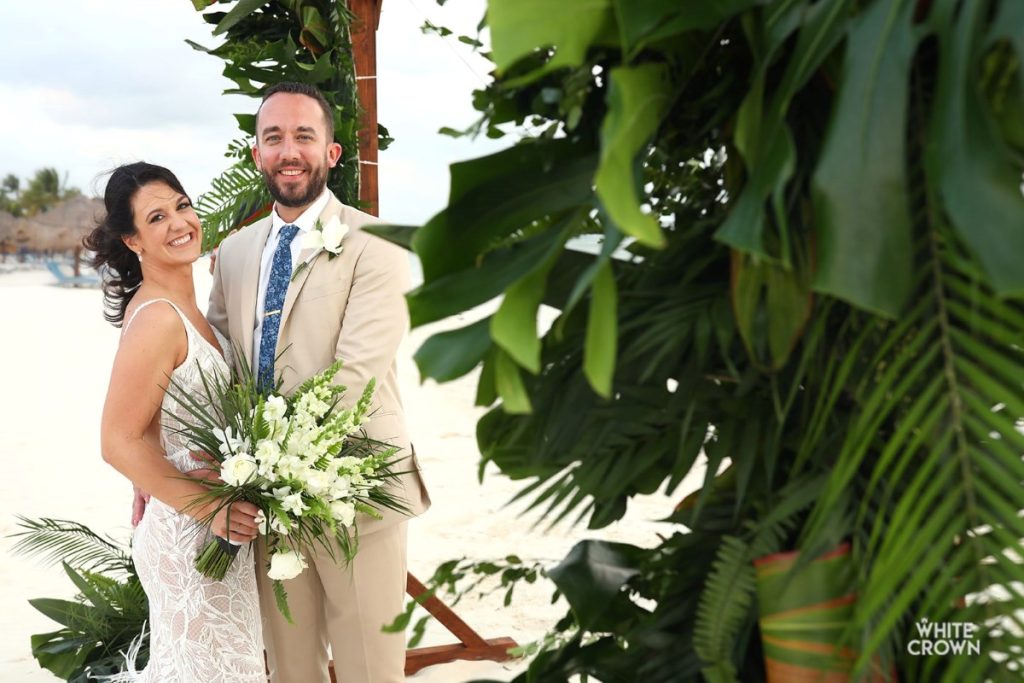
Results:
<point x="256" y="156"/>
<point x="333" y="154"/>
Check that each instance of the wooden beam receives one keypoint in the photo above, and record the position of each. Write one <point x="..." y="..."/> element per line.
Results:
<point x="364" y="51"/>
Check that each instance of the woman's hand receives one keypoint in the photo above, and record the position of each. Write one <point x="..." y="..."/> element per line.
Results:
<point x="139" y="502"/>
<point x="242" y="529"/>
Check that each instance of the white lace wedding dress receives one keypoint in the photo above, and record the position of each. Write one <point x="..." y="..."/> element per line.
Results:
<point x="201" y="630"/>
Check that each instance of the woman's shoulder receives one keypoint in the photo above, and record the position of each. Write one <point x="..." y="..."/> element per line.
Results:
<point x="152" y="317"/>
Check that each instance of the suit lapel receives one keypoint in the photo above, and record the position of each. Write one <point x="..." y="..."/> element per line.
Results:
<point x="309" y="257"/>
<point x="250" y="285"/>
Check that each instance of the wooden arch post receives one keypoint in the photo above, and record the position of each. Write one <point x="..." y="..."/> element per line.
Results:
<point x="364" y="48"/>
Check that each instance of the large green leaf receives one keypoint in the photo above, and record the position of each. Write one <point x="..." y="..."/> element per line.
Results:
<point x="514" y="326"/>
<point x="495" y="196"/>
<point x="448" y="355"/>
<point x="637" y="100"/>
<point x="518" y="27"/>
<point x="602" y="332"/>
<point x="592" y="577"/>
<point x="771" y="305"/>
<point x="641" y="23"/>
<point x="237" y="13"/>
<point x="974" y="171"/>
<point x="483" y="280"/>
<point x="762" y="134"/>
<point x="861" y="206"/>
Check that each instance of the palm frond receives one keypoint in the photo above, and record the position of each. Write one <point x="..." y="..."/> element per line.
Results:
<point x="234" y="196"/>
<point x="61" y="540"/>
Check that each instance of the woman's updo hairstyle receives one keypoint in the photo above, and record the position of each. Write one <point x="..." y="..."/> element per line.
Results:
<point x="121" y="267"/>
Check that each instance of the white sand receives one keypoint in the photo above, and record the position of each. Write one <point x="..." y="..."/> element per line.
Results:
<point x="57" y="351"/>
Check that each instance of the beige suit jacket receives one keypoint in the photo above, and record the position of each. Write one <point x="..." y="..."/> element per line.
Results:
<point x="350" y="307"/>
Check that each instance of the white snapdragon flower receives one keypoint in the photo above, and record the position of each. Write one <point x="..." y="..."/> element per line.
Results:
<point x="229" y="443"/>
<point x="238" y="469"/>
<point x="277" y="525"/>
<point x="293" y="503"/>
<point x="316" y="481"/>
<point x="274" y="409"/>
<point x="261" y="522"/>
<point x="342" y="487"/>
<point x="343" y="512"/>
<point x="286" y="564"/>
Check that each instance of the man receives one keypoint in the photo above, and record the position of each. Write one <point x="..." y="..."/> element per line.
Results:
<point x="294" y="310"/>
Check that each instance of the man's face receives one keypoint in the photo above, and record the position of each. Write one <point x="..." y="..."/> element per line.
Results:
<point x="292" y="149"/>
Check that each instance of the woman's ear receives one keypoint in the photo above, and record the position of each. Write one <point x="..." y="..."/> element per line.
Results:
<point x="132" y="243"/>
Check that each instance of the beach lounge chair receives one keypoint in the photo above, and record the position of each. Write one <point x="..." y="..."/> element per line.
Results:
<point x="71" y="280"/>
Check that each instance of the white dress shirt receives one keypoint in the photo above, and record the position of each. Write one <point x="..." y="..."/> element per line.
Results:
<point x="305" y="224"/>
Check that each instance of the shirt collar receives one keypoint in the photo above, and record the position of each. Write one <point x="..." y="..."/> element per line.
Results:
<point x="304" y="222"/>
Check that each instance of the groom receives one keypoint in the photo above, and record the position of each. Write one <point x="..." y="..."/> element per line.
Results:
<point x="294" y="310"/>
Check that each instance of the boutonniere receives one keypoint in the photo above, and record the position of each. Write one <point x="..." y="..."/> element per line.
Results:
<point x="327" y="237"/>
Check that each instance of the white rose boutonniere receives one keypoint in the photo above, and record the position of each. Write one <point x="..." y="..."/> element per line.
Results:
<point x="327" y="237"/>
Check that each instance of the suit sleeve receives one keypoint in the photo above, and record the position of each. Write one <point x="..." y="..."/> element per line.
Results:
<point x="217" y="313"/>
<point x="376" y="316"/>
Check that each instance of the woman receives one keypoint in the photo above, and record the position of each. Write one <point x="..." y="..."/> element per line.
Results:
<point x="200" y="629"/>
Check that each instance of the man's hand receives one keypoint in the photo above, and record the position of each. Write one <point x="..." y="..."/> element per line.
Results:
<point x="141" y="498"/>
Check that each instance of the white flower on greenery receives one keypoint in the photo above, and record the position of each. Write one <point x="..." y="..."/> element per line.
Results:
<point x="293" y="503"/>
<point x="229" y="443"/>
<point x="274" y="409"/>
<point x="348" y="463"/>
<point x="278" y="526"/>
<point x="268" y="452"/>
<point x="286" y="564"/>
<point x="343" y="512"/>
<point x="342" y="487"/>
<point x="316" y="481"/>
<point x="327" y="237"/>
<point x="261" y="522"/>
<point x="281" y="492"/>
<point x="238" y="469"/>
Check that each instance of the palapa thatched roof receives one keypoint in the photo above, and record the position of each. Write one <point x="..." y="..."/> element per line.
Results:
<point x="62" y="227"/>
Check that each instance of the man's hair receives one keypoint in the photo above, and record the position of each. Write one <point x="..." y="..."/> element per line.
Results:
<point x="294" y="88"/>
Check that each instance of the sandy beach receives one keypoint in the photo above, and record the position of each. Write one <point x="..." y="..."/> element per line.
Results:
<point x="57" y="352"/>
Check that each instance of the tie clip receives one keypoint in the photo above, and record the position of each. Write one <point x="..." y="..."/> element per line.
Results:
<point x="267" y="314"/>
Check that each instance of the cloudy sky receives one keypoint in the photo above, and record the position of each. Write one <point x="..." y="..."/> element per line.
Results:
<point x="89" y="84"/>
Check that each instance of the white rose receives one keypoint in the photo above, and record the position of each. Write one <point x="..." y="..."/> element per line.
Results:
<point x="328" y="237"/>
<point x="343" y="512"/>
<point x="286" y="564"/>
<point x="237" y="469"/>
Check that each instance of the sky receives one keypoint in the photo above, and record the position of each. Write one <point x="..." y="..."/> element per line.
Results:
<point x="89" y="84"/>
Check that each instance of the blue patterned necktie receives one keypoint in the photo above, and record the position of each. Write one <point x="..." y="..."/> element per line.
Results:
<point x="273" y="303"/>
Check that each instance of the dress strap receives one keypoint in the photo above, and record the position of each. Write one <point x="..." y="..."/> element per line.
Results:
<point x="151" y="301"/>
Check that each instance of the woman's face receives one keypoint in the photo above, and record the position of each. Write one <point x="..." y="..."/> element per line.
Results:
<point x="167" y="230"/>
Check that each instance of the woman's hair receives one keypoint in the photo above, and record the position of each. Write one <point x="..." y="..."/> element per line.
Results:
<point x="123" y="271"/>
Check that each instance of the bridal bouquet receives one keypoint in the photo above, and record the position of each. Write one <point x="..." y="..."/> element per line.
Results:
<point x="306" y="464"/>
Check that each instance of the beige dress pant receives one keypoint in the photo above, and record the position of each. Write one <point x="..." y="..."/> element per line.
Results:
<point x="344" y="605"/>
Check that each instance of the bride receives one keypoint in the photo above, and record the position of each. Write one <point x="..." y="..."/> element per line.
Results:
<point x="201" y="629"/>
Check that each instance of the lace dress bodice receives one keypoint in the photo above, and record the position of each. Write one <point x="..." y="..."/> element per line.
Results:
<point x="201" y="629"/>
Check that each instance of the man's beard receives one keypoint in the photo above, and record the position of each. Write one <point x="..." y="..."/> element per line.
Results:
<point x="297" y="198"/>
